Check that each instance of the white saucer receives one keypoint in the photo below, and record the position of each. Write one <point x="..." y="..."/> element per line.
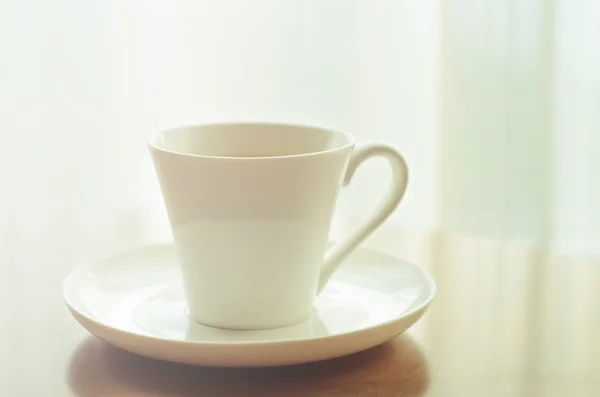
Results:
<point x="135" y="301"/>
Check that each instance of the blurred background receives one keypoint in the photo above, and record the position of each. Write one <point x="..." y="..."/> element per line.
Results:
<point x="495" y="105"/>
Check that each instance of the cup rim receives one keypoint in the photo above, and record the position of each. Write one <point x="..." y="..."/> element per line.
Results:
<point x="350" y="140"/>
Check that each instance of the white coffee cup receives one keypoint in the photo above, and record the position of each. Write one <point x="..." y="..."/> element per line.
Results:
<point x="250" y="207"/>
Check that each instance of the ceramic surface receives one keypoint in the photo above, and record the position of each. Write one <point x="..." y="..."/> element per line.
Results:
<point x="250" y="207"/>
<point x="135" y="300"/>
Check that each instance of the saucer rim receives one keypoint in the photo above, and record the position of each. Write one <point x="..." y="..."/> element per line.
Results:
<point x="79" y="315"/>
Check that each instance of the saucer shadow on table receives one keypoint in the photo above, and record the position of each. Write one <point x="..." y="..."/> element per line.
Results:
<point x="395" y="368"/>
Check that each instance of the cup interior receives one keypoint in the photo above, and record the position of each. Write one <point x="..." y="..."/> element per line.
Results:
<point x="250" y="140"/>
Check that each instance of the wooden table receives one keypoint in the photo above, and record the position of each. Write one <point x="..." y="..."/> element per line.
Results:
<point x="508" y="320"/>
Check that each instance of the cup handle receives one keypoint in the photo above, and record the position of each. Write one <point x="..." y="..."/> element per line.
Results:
<point x="361" y="153"/>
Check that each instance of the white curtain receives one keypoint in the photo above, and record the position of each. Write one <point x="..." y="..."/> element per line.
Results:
<point x="520" y="120"/>
<point x="495" y="104"/>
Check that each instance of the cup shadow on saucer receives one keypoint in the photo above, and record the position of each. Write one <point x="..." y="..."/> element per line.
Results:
<point x="397" y="367"/>
<point x="312" y="328"/>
